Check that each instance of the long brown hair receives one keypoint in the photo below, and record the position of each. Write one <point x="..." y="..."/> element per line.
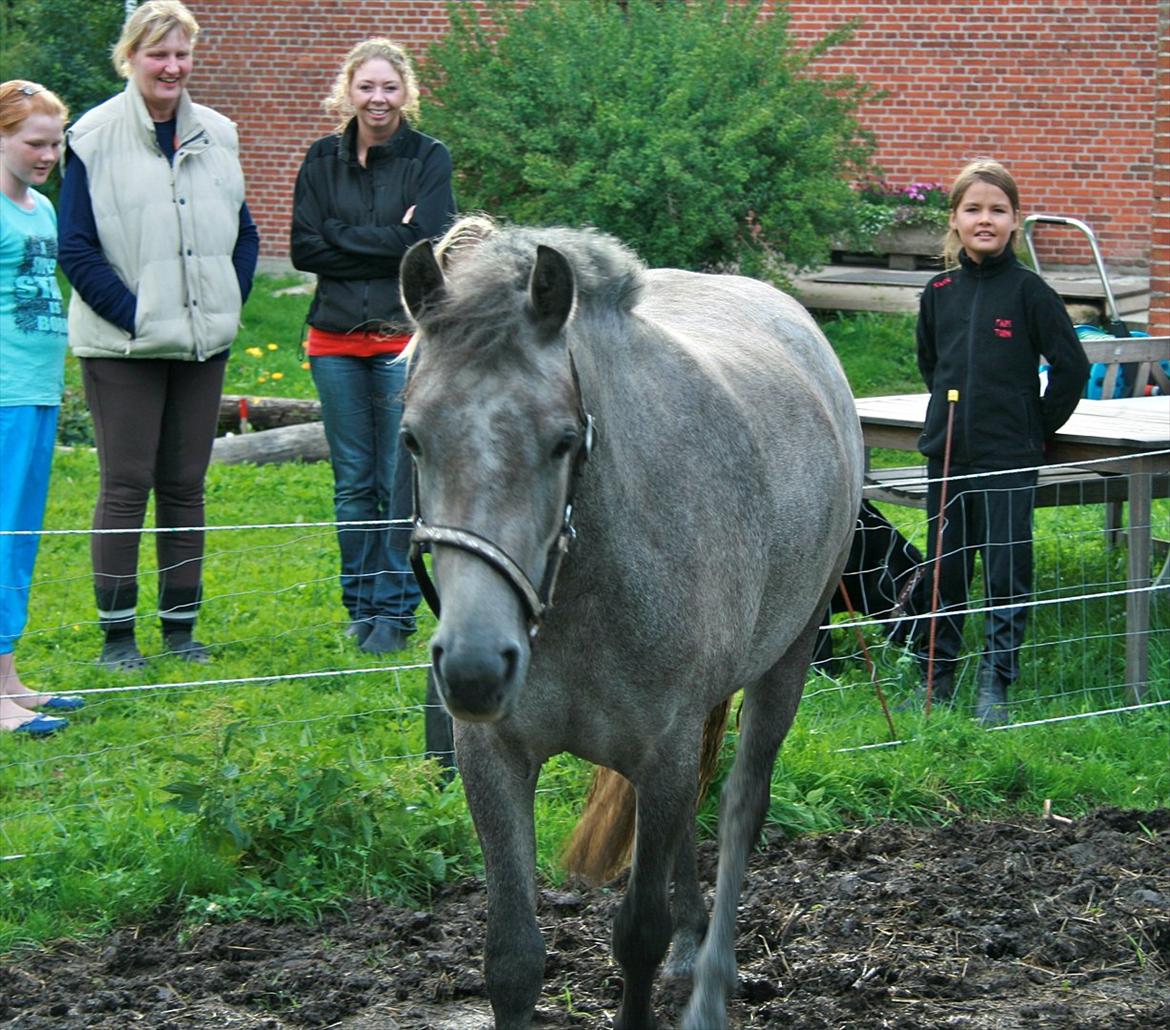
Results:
<point x="982" y="170"/>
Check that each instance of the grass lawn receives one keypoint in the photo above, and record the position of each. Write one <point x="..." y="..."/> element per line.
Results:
<point x="288" y="774"/>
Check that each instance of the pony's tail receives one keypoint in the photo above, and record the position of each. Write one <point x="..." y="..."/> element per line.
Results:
<point x="603" y="838"/>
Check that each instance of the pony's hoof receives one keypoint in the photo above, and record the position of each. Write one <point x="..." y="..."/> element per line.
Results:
<point x="704" y="1013"/>
<point x="680" y="963"/>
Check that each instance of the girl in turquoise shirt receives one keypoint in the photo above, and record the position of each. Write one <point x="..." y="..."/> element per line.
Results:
<point x="32" y="361"/>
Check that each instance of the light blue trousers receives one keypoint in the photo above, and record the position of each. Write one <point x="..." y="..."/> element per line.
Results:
<point x="27" y="435"/>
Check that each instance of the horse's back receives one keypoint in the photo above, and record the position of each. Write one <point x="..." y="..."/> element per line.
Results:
<point x="753" y="336"/>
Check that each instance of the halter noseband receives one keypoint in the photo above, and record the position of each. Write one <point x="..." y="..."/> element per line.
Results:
<point x="536" y="602"/>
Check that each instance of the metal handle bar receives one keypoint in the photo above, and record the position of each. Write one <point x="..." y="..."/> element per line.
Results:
<point x="1111" y="303"/>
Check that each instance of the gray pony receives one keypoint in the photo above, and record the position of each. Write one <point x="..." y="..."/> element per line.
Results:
<point x="691" y="442"/>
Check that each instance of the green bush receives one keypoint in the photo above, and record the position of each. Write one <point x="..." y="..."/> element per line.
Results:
<point x="65" y="45"/>
<point x="694" y="132"/>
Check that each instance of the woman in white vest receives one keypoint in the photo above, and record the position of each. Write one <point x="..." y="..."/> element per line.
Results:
<point x="160" y="249"/>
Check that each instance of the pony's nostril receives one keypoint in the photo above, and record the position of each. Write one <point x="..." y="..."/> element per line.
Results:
<point x="511" y="657"/>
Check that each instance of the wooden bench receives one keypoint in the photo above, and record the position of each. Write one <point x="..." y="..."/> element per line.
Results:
<point x="1143" y="353"/>
<point x="906" y="485"/>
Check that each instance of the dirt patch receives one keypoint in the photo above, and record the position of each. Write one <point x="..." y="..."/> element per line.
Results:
<point x="975" y="925"/>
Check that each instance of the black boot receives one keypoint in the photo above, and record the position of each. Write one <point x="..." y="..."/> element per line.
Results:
<point x="179" y="643"/>
<point x="943" y="692"/>
<point x="991" y="699"/>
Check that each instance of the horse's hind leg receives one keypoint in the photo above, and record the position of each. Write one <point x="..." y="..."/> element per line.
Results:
<point x="687" y="910"/>
<point x="500" y="787"/>
<point x="768" y="709"/>
<point x="642" y="927"/>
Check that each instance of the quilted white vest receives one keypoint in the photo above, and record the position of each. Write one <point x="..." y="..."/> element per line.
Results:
<point x="167" y="229"/>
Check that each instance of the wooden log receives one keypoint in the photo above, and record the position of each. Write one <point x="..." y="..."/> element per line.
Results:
<point x="266" y="412"/>
<point x="305" y="442"/>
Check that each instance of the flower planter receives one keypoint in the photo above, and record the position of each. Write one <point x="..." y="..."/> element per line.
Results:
<point x="904" y="246"/>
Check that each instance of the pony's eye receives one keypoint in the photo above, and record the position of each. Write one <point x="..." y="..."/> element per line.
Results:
<point x="565" y="444"/>
<point x="409" y="440"/>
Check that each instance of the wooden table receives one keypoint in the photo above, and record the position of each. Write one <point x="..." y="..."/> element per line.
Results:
<point x="1135" y="431"/>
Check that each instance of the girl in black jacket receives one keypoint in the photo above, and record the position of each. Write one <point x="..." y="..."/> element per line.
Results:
<point x="982" y="329"/>
<point x="364" y="195"/>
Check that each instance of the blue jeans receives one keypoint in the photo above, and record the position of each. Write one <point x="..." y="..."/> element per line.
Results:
<point x="361" y="406"/>
<point x="27" y="435"/>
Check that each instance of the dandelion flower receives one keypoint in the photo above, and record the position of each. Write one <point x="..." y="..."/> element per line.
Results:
<point x="277" y="375"/>
<point x="256" y="352"/>
<point x="273" y="346"/>
<point x="305" y="365"/>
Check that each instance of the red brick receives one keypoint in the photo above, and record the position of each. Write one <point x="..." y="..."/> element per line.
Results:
<point x="1074" y="98"/>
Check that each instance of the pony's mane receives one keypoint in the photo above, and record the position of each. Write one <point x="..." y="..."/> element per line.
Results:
<point x="487" y="277"/>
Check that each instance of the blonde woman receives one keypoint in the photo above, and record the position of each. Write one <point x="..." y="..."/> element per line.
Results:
<point x="365" y="194"/>
<point x="160" y="249"/>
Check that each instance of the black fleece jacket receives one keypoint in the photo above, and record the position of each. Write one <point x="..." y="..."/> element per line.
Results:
<point x="982" y="329"/>
<point x="347" y="223"/>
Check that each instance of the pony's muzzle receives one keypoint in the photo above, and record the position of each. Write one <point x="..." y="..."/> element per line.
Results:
<point x="478" y="675"/>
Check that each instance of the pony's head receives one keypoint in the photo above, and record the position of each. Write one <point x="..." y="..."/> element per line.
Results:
<point x="494" y="422"/>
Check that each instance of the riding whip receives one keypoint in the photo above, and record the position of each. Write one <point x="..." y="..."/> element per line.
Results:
<point x="952" y="400"/>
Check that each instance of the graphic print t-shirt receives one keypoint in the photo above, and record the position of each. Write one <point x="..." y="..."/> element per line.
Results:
<point x="33" y="328"/>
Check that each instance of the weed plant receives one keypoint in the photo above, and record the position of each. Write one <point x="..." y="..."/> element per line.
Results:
<point x="289" y="775"/>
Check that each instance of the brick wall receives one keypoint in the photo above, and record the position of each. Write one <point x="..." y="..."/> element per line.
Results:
<point x="1160" y="213"/>
<point x="1063" y="93"/>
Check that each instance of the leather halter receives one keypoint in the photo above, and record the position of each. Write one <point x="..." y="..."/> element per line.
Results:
<point x="535" y="601"/>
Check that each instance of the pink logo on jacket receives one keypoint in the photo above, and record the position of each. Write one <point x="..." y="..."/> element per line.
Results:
<point x="1003" y="328"/>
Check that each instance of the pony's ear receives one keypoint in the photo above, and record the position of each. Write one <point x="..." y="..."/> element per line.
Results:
<point x="551" y="289"/>
<point x="422" y="279"/>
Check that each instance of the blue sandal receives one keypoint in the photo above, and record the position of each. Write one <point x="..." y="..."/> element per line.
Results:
<point x="41" y="726"/>
<point x="58" y="703"/>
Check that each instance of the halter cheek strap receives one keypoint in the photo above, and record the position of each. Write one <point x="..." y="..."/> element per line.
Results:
<point x="536" y="602"/>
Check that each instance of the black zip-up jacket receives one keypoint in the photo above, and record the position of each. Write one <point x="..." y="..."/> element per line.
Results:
<point x="347" y="223"/>
<point x="982" y="328"/>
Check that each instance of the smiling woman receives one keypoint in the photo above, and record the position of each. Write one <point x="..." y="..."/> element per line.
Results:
<point x="364" y="195"/>
<point x="160" y="249"/>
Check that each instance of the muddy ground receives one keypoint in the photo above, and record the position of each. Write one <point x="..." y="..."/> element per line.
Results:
<point x="1027" y="924"/>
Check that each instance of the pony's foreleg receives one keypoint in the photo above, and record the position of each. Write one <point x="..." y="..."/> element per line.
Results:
<point x="769" y="707"/>
<point x="642" y="927"/>
<point x="500" y="786"/>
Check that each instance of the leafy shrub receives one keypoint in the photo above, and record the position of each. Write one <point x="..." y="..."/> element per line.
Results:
<point x="694" y="132"/>
<point x="308" y="829"/>
<point x="74" y="423"/>
<point x="64" y="45"/>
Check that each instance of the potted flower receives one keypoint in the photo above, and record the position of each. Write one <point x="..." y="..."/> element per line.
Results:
<point x="901" y="221"/>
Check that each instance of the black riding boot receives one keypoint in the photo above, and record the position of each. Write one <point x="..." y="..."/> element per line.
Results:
<point x="943" y="692"/>
<point x="991" y="699"/>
